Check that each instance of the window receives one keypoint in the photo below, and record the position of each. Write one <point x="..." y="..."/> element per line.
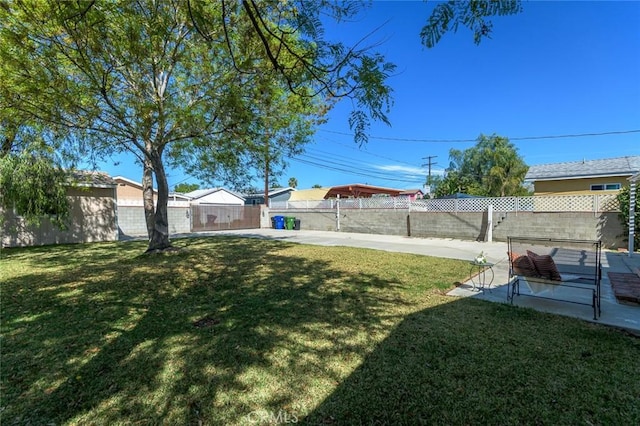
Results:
<point x="606" y="187"/>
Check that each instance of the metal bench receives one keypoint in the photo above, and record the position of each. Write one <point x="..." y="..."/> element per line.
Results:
<point x="572" y="275"/>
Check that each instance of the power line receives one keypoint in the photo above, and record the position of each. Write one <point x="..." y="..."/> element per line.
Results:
<point x="520" y="138"/>
<point x="353" y="167"/>
<point x="367" y="152"/>
<point x="330" y="156"/>
<point x="350" y="171"/>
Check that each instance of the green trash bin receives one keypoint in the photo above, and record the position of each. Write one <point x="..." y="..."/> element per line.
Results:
<point x="289" y="222"/>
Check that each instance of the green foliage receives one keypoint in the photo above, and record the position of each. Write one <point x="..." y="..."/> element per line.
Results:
<point x="473" y="15"/>
<point x="217" y="88"/>
<point x="34" y="187"/>
<point x="624" y="199"/>
<point x="186" y="187"/>
<point x="274" y="184"/>
<point x="293" y="182"/>
<point x="492" y="168"/>
<point x="317" y="185"/>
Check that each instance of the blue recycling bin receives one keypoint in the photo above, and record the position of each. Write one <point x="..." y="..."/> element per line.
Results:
<point x="279" y="221"/>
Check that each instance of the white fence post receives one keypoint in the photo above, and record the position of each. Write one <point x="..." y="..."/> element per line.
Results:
<point x="338" y="213"/>
<point x="632" y="215"/>
<point x="490" y="223"/>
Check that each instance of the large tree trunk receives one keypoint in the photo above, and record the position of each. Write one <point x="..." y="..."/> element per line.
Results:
<point x="147" y="196"/>
<point x="159" y="239"/>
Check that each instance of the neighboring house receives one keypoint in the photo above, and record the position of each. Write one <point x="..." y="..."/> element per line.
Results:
<point x="358" y="190"/>
<point x="217" y="196"/>
<point x="412" y="194"/>
<point x="457" y="196"/>
<point x="608" y="175"/>
<point x="313" y="194"/>
<point x="275" y="194"/>
<point x="129" y="193"/>
<point x="92" y="216"/>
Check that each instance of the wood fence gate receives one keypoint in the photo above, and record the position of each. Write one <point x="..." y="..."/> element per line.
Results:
<point x="220" y="218"/>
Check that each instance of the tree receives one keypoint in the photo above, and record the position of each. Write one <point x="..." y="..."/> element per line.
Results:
<point x="175" y="80"/>
<point x="186" y="187"/>
<point x="275" y="184"/>
<point x="158" y="78"/>
<point x="293" y="182"/>
<point x="473" y="14"/>
<point x="34" y="187"/>
<point x="492" y="168"/>
<point x="33" y="182"/>
<point x="317" y="185"/>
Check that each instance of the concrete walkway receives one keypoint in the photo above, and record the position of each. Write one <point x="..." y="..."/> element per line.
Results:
<point x="613" y="313"/>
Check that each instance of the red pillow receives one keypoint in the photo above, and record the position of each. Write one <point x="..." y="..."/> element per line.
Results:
<point x="522" y="265"/>
<point x="545" y="266"/>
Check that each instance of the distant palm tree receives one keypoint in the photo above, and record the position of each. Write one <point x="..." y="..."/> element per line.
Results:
<point x="293" y="182"/>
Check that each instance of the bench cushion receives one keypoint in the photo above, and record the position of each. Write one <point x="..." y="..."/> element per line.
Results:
<point x="522" y="265"/>
<point x="545" y="266"/>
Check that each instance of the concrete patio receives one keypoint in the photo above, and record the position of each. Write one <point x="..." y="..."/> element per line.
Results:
<point x="613" y="313"/>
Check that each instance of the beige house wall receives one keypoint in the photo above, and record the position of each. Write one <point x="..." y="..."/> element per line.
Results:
<point x="129" y="192"/>
<point x="126" y="191"/>
<point x="92" y="218"/>
<point x="576" y="186"/>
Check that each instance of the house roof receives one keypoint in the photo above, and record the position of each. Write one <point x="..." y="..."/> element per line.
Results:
<point x="359" y="190"/>
<point x="199" y="193"/>
<point x="411" y="192"/>
<point x="272" y="192"/>
<point x="180" y="195"/>
<point x="621" y="166"/>
<point x="92" y="179"/>
<point x="122" y="179"/>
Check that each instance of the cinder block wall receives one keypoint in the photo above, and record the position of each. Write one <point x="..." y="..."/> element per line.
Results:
<point x="568" y="225"/>
<point x="131" y="221"/>
<point x="465" y="225"/>
<point x="316" y="220"/>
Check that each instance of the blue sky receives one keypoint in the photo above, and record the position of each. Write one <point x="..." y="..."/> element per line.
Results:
<point x="557" y="68"/>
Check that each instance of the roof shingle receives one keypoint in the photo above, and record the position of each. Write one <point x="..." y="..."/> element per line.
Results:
<point x="620" y="166"/>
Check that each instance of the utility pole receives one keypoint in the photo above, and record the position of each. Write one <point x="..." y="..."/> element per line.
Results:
<point x="430" y="163"/>
<point x="266" y="169"/>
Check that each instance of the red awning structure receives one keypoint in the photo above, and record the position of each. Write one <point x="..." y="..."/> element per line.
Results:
<point x="360" y="191"/>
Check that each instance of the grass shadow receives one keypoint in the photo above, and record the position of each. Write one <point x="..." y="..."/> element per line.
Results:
<point x="104" y="339"/>
<point x="472" y="362"/>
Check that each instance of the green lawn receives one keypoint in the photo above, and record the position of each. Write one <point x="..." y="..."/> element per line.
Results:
<point x="249" y="331"/>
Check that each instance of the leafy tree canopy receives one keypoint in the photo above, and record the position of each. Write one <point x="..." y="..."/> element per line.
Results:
<point x="473" y="15"/>
<point x="34" y="187"/>
<point x="186" y="187"/>
<point x="491" y="168"/>
<point x="195" y="83"/>
<point x="33" y="179"/>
